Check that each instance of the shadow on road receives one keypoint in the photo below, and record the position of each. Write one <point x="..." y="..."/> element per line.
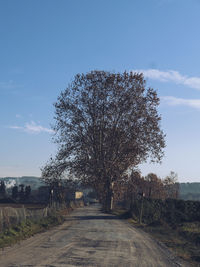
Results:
<point x="98" y="217"/>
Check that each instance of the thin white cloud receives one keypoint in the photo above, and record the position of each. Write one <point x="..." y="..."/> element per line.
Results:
<point x="18" y="116"/>
<point x="32" y="128"/>
<point x="16" y="127"/>
<point x="175" y="101"/>
<point x="171" y="76"/>
<point x="9" y="85"/>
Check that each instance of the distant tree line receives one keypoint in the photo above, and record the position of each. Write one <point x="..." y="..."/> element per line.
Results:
<point x="19" y="193"/>
<point x="150" y="199"/>
<point x="133" y="186"/>
<point x="54" y="191"/>
<point x="22" y="192"/>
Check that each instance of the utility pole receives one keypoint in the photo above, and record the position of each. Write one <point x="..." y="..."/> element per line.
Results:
<point x="51" y="198"/>
<point x="141" y="207"/>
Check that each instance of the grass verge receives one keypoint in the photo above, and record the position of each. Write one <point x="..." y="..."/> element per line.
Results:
<point x="28" y="228"/>
<point x="184" y="240"/>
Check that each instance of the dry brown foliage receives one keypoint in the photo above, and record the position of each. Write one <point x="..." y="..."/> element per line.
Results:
<point x="105" y="123"/>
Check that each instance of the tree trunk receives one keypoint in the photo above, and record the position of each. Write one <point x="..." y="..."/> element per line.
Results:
<point x="109" y="197"/>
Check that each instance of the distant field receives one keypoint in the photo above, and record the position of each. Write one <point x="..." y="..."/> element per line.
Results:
<point x="27" y="206"/>
<point x="190" y="191"/>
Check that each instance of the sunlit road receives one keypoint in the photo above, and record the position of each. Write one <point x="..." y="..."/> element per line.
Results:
<point x="89" y="238"/>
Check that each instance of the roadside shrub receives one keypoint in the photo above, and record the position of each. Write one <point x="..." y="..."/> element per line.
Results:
<point x="172" y="211"/>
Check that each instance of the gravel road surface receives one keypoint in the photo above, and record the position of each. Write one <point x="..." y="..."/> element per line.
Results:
<point x="89" y="237"/>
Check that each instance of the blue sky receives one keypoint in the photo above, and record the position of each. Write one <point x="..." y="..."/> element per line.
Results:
<point x="43" y="44"/>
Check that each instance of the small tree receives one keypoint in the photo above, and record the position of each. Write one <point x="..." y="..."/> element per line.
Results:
<point x="135" y="185"/>
<point x="52" y="176"/>
<point x="15" y="192"/>
<point x="2" y="189"/>
<point x="154" y="186"/>
<point x="21" y="193"/>
<point x="171" y="185"/>
<point x="27" y="192"/>
<point x="106" y="124"/>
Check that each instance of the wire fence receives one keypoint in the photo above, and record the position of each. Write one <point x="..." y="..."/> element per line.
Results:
<point x="10" y="216"/>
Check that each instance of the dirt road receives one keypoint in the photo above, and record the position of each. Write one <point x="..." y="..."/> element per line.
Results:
<point x="89" y="238"/>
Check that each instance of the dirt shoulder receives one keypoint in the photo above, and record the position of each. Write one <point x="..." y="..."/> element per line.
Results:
<point x="180" y="240"/>
<point x="174" y="240"/>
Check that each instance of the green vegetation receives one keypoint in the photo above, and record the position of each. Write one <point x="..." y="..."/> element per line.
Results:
<point x="28" y="228"/>
<point x="34" y="182"/>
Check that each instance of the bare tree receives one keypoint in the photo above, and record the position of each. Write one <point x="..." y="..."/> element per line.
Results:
<point x="155" y="186"/>
<point x="171" y="185"/>
<point x="15" y="192"/>
<point x="106" y="123"/>
<point x="135" y="185"/>
<point x="2" y="189"/>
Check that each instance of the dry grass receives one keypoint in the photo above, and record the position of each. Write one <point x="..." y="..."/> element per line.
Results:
<point x="184" y="246"/>
<point x="18" y="205"/>
<point x="28" y="228"/>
